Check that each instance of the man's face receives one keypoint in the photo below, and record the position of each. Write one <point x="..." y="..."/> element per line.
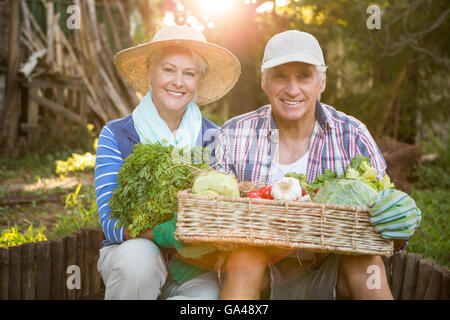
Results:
<point x="293" y="89"/>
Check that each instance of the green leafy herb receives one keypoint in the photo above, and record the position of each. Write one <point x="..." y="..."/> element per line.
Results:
<point x="149" y="181"/>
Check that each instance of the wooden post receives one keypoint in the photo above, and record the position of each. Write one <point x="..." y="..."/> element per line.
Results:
<point x="445" y="285"/>
<point x="70" y="259"/>
<point x="86" y="289"/>
<point x="434" y="286"/>
<point x="43" y="270"/>
<point x="57" y="266"/>
<point x="409" y="276"/>
<point x="80" y="263"/>
<point x="112" y="26"/>
<point x="27" y="267"/>
<point x="398" y="264"/>
<point x="95" y="245"/>
<point x="15" y="274"/>
<point x="9" y="119"/>
<point x="424" y="269"/>
<point x="32" y="115"/>
<point x="4" y="273"/>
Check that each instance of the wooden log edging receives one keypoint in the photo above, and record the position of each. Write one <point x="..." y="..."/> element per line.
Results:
<point x="40" y="271"/>
<point x="61" y="269"/>
<point x="416" y="278"/>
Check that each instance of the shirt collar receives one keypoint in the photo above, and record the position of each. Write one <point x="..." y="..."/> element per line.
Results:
<point x="323" y="117"/>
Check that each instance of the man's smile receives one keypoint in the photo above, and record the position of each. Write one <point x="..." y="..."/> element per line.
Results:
<point x="291" y="102"/>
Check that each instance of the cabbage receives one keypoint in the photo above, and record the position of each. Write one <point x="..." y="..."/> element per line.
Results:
<point x="216" y="183"/>
<point x="349" y="192"/>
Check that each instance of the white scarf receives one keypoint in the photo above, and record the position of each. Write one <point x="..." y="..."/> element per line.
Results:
<point x="152" y="128"/>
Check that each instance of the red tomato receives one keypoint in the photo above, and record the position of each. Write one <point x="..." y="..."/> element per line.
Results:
<point x="303" y="193"/>
<point x="266" y="192"/>
<point x="254" y="194"/>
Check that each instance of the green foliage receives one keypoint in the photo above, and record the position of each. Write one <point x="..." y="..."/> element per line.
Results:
<point x="12" y="237"/>
<point x="430" y="191"/>
<point x="81" y="212"/>
<point x="149" y="181"/>
<point x="432" y="240"/>
<point x="389" y="77"/>
<point x="360" y="168"/>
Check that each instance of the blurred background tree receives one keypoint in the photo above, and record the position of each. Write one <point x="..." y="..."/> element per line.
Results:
<point x="394" y="79"/>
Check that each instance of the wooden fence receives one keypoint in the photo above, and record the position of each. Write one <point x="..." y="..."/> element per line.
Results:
<point x="42" y="271"/>
<point x="412" y="277"/>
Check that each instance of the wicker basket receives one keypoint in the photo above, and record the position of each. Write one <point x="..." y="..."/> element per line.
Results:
<point x="286" y="224"/>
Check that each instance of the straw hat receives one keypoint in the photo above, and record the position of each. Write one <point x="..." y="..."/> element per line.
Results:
<point x="223" y="66"/>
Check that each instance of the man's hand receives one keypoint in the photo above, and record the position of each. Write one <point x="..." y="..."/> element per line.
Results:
<point x="395" y="215"/>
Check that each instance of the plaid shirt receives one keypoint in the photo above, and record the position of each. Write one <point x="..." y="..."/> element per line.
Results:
<point x="247" y="143"/>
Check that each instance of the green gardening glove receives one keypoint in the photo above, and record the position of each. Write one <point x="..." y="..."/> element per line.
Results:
<point x="164" y="234"/>
<point x="182" y="271"/>
<point x="395" y="215"/>
<point x="196" y="250"/>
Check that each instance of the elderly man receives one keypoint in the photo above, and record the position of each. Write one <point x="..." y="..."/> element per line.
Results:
<point x="296" y="132"/>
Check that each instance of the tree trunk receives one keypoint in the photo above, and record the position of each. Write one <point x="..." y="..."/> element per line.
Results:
<point x="10" y="117"/>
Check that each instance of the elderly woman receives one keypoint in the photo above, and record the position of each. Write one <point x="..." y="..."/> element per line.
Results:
<point x="177" y="70"/>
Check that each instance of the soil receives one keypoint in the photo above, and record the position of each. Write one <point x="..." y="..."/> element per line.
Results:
<point x="401" y="159"/>
<point x="39" y="213"/>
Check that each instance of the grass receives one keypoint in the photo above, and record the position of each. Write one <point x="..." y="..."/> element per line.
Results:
<point x="431" y="193"/>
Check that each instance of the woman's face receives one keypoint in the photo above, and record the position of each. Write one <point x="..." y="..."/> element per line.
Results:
<point x="174" y="80"/>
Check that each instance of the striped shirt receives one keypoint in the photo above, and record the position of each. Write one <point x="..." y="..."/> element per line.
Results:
<point x="247" y="144"/>
<point x="107" y="164"/>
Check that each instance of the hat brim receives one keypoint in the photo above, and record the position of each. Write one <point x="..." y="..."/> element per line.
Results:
<point x="294" y="57"/>
<point x="221" y="76"/>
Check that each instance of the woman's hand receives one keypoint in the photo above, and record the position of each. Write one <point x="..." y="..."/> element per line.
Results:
<point x="147" y="234"/>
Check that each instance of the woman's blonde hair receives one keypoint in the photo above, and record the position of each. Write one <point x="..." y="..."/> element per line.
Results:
<point x="154" y="57"/>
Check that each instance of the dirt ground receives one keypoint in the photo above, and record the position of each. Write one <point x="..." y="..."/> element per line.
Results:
<point x="44" y="209"/>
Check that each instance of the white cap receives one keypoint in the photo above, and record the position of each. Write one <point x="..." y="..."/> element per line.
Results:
<point x="292" y="46"/>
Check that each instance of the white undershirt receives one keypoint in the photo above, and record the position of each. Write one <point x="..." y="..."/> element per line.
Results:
<point x="279" y="170"/>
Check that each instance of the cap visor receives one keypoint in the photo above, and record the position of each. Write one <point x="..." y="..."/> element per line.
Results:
<point x="297" y="57"/>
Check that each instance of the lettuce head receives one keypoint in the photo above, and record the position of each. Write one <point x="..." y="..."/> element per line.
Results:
<point x="351" y="192"/>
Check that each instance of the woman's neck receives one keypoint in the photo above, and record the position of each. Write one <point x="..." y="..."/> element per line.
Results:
<point x="172" y="119"/>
